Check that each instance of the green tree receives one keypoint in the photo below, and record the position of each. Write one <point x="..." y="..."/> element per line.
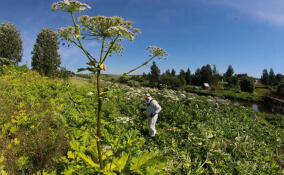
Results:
<point x="271" y="77"/>
<point x="187" y="76"/>
<point x="45" y="58"/>
<point x="144" y="76"/>
<point x="216" y="75"/>
<point x="206" y="74"/>
<point x="233" y="82"/>
<point x="154" y="74"/>
<point x="279" y="78"/>
<point x="182" y="74"/>
<point x="229" y="73"/>
<point x="173" y="73"/>
<point x="168" y="72"/>
<point x="280" y="90"/>
<point x="10" y="43"/>
<point x="182" y="77"/>
<point x="247" y="85"/>
<point x="196" y="79"/>
<point x="214" y="71"/>
<point x="265" y="77"/>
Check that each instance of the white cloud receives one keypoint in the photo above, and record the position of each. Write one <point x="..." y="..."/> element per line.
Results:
<point x="269" y="11"/>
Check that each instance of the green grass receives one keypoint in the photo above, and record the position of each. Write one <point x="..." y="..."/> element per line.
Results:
<point x="80" y="82"/>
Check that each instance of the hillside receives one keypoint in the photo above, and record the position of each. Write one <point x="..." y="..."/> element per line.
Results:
<point x="48" y="126"/>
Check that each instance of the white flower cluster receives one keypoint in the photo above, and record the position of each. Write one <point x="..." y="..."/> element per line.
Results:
<point x="124" y="120"/>
<point x="157" y="52"/>
<point x="70" y="6"/>
<point x="90" y="93"/>
<point x="170" y="95"/>
<point x="102" y="26"/>
<point x="67" y="33"/>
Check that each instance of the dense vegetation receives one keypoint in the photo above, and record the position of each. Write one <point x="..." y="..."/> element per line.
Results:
<point x="47" y="125"/>
<point x="273" y="80"/>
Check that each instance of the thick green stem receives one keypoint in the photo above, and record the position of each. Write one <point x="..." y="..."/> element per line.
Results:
<point x="99" y="116"/>
<point x="102" y="49"/>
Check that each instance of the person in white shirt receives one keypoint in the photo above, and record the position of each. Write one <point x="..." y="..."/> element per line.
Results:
<point x="153" y="108"/>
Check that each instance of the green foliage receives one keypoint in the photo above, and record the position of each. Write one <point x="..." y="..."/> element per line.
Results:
<point x="154" y="76"/>
<point x="233" y="82"/>
<point x="171" y="81"/>
<point x="265" y="77"/>
<point x="247" y="85"/>
<point x="56" y="119"/>
<point x="188" y="76"/>
<point x="5" y="61"/>
<point x="45" y="57"/>
<point x="271" y="77"/>
<point x="10" y="43"/>
<point x="63" y="73"/>
<point x="280" y="90"/>
<point x="173" y="72"/>
<point x="229" y="73"/>
<point x="32" y="132"/>
<point x="123" y="156"/>
<point x="204" y="75"/>
<point x="279" y="78"/>
<point x="201" y="140"/>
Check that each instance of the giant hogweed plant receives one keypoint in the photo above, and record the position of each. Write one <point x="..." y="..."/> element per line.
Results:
<point x="110" y="32"/>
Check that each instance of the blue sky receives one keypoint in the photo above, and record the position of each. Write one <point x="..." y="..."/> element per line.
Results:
<point x="248" y="34"/>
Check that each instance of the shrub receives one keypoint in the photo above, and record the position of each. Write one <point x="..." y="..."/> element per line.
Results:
<point x="5" y="61"/>
<point x="64" y="73"/>
<point x="123" y="80"/>
<point x="280" y="90"/>
<point x="247" y="85"/>
<point x="133" y="83"/>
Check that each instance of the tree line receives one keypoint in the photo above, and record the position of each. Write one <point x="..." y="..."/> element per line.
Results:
<point x="45" y="57"/>
<point x="270" y="79"/>
<point x="206" y="74"/>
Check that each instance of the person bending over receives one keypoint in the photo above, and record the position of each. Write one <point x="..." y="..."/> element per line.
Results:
<point x="153" y="108"/>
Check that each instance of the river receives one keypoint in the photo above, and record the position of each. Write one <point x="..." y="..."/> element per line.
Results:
<point x="266" y="107"/>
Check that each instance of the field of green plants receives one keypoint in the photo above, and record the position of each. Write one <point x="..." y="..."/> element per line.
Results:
<point x="48" y="127"/>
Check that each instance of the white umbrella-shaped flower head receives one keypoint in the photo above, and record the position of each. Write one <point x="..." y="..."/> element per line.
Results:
<point x="70" y="6"/>
<point x="67" y="33"/>
<point x="108" y="27"/>
<point x="157" y="52"/>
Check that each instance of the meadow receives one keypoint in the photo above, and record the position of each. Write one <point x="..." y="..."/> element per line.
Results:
<point x="48" y="127"/>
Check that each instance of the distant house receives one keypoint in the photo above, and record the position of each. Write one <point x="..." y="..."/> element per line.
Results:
<point x="206" y="86"/>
